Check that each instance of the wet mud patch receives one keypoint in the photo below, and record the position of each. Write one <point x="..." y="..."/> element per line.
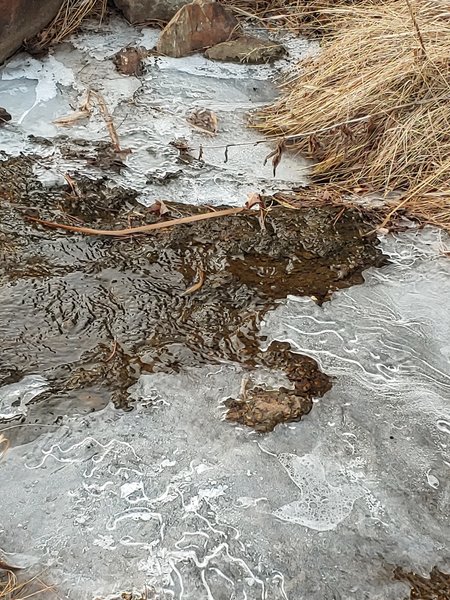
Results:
<point x="263" y="409"/>
<point x="93" y="313"/>
<point x="435" y="587"/>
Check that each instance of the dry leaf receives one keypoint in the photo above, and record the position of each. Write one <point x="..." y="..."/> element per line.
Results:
<point x="159" y="207"/>
<point x="205" y="120"/>
<point x="276" y="155"/>
<point x="254" y="199"/>
<point x="72" y="119"/>
<point x="196" y="286"/>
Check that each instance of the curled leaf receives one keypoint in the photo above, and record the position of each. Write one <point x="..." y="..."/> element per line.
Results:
<point x="276" y="155"/>
<point x="197" y="285"/>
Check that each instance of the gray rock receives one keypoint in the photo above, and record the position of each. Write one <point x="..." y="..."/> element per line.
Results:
<point x="23" y="19"/>
<point x="140" y="11"/>
<point x="247" y="49"/>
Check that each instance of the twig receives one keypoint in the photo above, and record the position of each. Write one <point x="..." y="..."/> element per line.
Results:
<point x="113" y="351"/>
<point x="416" y="27"/>
<point x="299" y="136"/>
<point x="141" y="229"/>
<point x="109" y="121"/>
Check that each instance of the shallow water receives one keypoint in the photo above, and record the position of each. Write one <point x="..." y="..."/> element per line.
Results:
<point x="180" y="501"/>
<point x="170" y="497"/>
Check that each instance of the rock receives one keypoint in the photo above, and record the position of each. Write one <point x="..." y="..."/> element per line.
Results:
<point x="128" y="61"/>
<point x="140" y="11"/>
<point x="23" y="19"/>
<point x="4" y="116"/>
<point x="264" y="409"/>
<point x="197" y="26"/>
<point x="247" y="49"/>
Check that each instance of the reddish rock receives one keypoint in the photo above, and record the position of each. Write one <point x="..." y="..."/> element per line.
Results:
<point x="140" y="11"/>
<point x="23" y="19"/>
<point x="197" y="26"/>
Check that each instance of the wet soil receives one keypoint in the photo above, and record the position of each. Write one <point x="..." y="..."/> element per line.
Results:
<point x="262" y="408"/>
<point x="92" y="313"/>
<point x="436" y="587"/>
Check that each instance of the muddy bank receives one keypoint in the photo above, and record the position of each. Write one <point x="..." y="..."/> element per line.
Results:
<point x="91" y="314"/>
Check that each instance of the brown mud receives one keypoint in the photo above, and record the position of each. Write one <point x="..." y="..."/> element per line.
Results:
<point x="435" y="587"/>
<point x="91" y="314"/>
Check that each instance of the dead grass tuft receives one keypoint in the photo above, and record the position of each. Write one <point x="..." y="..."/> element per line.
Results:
<point x="11" y="588"/>
<point x="68" y="19"/>
<point x="373" y="108"/>
<point x="299" y="16"/>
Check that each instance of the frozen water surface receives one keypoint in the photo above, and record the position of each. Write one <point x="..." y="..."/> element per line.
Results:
<point x="171" y="498"/>
<point x="149" y="112"/>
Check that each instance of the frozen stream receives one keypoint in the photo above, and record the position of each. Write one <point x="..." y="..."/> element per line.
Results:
<point x="171" y="500"/>
<point x="149" y="112"/>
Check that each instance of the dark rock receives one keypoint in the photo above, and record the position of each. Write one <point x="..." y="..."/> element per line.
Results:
<point x="128" y="61"/>
<point x="197" y="26"/>
<point x="247" y="49"/>
<point x="4" y="116"/>
<point x="23" y="19"/>
<point x="140" y="11"/>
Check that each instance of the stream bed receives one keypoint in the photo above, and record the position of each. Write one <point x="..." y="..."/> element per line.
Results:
<point x="253" y="407"/>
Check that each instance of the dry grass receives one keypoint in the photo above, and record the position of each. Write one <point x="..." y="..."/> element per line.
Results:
<point x="68" y="19"/>
<point x="373" y="109"/>
<point x="299" y="16"/>
<point x="11" y="588"/>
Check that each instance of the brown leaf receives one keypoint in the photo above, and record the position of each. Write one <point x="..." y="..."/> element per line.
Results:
<point x="196" y="286"/>
<point x="159" y="207"/>
<point x="276" y="155"/>
<point x="205" y="120"/>
<point x="326" y="195"/>
<point x="254" y="199"/>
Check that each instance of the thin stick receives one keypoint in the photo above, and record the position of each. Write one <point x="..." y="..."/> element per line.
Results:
<point x="143" y="228"/>
<point x="416" y="27"/>
<point x="299" y="136"/>
<point x="196" y="286"/>
<point x="109" y="121"/>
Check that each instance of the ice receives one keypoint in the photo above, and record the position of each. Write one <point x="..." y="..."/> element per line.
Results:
<point x="322" y="506"/>
<point x="180" y="501"/>
<point x="15" y="397"/>
<point x="150" y="113"/>
<point x="170" y="498"/>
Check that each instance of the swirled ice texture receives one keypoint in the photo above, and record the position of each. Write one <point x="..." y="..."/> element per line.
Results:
<point x="172" y="497"/>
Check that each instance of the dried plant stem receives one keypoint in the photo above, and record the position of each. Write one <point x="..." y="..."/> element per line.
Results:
<point x="108" y="120"/>
<point x="143" y="228"/>
<point x="416" y="27"/>
<point x="368" y="112"/>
